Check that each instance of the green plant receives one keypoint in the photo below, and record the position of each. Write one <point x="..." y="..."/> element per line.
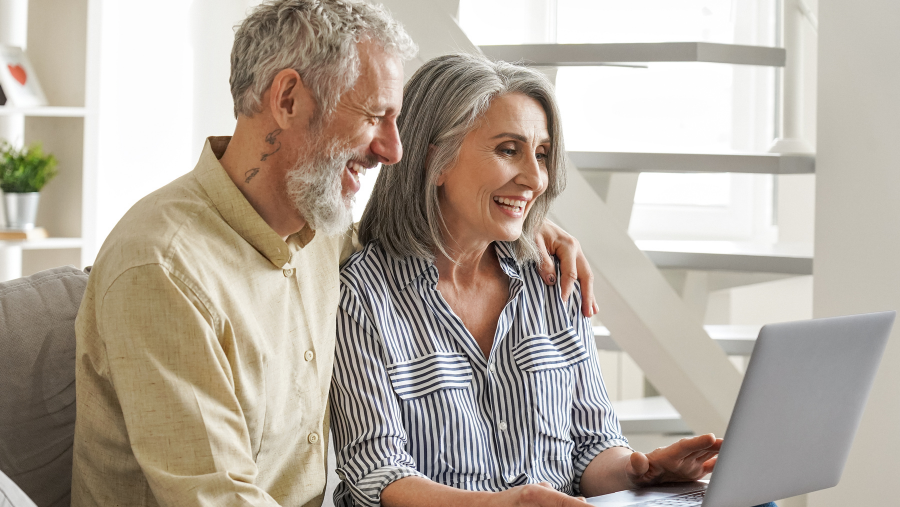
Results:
<point x="25" y="169"/>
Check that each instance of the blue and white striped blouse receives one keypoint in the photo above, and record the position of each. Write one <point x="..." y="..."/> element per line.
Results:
<point x="413" y="394"/>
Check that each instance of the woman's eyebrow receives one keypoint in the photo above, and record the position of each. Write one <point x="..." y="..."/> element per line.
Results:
<point x="519" y="137"/>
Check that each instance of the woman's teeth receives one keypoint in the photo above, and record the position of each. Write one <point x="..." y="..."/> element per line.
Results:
<point x="515" y="205"/>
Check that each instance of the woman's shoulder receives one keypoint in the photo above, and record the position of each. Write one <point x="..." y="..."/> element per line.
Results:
<point x="371" y="260"/>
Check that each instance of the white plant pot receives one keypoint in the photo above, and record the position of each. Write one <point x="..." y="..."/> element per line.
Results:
<point x="21" y="209"/>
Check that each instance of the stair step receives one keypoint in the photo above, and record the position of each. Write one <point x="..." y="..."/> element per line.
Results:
<point x="649" y="415"/>
<point x="632" y="162"/>
<point x="786" y="258"/>
<point x="734" y="340"/>
<point x="558" y="55"/>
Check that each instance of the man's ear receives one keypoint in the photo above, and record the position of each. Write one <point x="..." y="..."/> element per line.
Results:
<point x="289" y="99"/>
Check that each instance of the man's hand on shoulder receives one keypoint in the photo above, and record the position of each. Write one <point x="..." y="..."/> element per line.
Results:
<point x="573" y="265"/>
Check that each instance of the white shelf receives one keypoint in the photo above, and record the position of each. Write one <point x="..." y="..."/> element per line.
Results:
<point x="45" y="111"/>
<point x="558" y="55"/>
<point x="649" y="415"/>
<point x="734" y="340"/>
<point x="42" y="244"/>
<point x="634" y="162"/>
<point x="791" y="259"/>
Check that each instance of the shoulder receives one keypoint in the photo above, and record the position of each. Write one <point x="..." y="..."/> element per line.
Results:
<point x="364" y="268"/>
<point x="550" y="295"/>
<point x="152" y="232"/>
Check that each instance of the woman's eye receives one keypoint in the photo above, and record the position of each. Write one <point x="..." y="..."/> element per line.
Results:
<point x="508" y="151"/>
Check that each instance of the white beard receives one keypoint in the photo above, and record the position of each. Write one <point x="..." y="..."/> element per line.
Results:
<point x="314" y="185"/>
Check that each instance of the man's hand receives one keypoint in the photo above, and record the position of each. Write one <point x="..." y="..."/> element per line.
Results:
<point x="573" y="265"/>
<point x="689" y="459"/>
<point x="534" y="495"/>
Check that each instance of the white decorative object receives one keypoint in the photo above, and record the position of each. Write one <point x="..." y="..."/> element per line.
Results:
<point x="18" y="79"/>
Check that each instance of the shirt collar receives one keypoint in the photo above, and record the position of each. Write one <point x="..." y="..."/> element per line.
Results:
<point x="237" y="211"/>
<point x="409" y="268"/>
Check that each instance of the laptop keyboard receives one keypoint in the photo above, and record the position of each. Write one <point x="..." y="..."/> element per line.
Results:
<point x="692" y="499"/>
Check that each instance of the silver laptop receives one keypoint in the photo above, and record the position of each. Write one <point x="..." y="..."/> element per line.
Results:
<point x="795" y="417"/>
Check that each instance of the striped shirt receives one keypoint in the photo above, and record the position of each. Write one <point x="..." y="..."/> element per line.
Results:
<point x="413" y="394"/>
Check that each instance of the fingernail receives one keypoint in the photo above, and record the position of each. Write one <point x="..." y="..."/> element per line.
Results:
<point x="551" y="279"/>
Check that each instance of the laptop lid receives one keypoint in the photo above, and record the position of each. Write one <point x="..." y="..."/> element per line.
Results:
<point x="798" y="408"/>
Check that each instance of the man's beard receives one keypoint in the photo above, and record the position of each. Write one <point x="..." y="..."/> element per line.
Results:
<point x="314" y="185"/>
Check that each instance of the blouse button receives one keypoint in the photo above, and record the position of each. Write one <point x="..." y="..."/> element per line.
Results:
<point x="309" y="355"/>
<point x="502" y="426"/>
<point x="492" y="368"/>
<point x="287" y="272"/>
<point x="313" y="437"/>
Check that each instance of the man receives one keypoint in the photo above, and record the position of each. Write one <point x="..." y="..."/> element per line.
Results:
<point x="205" y="339"/>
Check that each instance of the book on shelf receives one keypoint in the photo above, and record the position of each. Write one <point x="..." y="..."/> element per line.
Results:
<point x="14" y="234"/>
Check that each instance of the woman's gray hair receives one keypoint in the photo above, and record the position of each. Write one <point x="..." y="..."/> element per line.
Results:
<point x="441" y="104"/>
<point x="317" y="38"/>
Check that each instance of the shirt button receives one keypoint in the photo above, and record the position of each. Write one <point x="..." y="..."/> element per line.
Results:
<point x="309" y="355"/>
<point x="313" y="437"/>
<point x="287" y="272"/>
<point x="492" y="368"/>
<point x="502" y="426"/>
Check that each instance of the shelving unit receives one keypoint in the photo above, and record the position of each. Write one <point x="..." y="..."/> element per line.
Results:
<point x="61" y="49"/>
<point x="45" y="112"/>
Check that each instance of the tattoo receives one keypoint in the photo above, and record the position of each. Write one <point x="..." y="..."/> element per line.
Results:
<point x="272" y="138"/>
<point x="250" y="174"/>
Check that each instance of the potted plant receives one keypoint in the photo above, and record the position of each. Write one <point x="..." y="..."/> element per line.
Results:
<point x="23" y="173"/>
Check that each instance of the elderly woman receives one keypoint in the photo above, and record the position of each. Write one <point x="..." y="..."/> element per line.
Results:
<point x="460" y="377"/>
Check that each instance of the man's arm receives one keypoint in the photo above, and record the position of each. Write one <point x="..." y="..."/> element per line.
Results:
<point x="573" y="265"/>
<point x="174" y="383"/>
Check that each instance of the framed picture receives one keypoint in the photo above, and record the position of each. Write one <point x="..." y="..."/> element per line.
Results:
<point x="18" y="79"/>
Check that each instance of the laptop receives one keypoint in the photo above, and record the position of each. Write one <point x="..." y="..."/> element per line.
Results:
<point x="795" y="417"/>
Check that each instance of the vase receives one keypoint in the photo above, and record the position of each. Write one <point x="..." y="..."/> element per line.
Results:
<point x="21" y="209"/>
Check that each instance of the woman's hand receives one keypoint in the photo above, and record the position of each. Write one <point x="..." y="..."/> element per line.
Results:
<point x="533" y="495"/>
<point x="689" y="459"/>
<point x="573" y="265"/>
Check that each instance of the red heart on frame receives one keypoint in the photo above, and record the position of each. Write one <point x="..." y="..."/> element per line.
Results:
<point x="18" y="73"/>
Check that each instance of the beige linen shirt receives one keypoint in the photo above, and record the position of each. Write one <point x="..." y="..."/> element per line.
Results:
<point x="204" y="353"/>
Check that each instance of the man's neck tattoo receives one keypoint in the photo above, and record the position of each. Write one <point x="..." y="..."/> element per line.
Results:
<point x="272" y="138"/>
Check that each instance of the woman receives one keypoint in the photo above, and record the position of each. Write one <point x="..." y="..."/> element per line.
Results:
<point x="459" y="376"/>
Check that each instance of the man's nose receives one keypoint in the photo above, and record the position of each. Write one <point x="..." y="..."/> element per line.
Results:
<point x="386" y="144"/>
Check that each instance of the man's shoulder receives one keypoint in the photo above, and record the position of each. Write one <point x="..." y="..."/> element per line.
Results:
<point x="154" y="229"/>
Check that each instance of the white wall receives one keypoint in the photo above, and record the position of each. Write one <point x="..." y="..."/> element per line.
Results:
<point x="144" y="111"/>
<point x="858" y="217"/>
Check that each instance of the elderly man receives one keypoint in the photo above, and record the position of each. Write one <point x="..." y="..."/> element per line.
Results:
<point x="205" y="339"/>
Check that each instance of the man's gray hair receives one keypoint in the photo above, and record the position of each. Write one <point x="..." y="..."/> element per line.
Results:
<point x="441" y="104"/>
<point x="317" y="38"/>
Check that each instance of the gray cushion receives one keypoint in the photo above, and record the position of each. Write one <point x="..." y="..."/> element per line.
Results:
<point x="37" y="381"/>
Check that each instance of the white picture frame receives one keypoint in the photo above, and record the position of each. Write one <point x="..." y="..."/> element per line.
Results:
<point x="19" y="80"/>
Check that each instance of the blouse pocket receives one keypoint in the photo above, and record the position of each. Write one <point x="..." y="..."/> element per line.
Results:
<point x="541" y="353"/>
<point x="427" y="374"/>
<point x="548" y="362"/>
